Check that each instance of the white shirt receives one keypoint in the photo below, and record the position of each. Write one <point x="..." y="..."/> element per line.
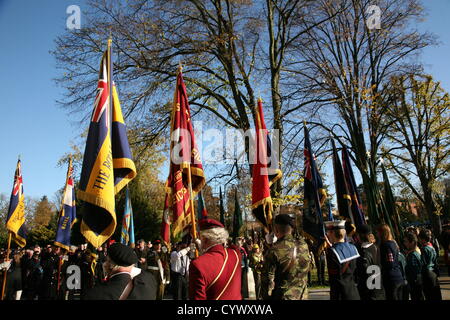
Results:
<point x="179" y="261"/>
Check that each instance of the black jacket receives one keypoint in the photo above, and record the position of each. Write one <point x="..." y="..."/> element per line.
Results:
<point x="368" y="256"/>
<point x="144" y="288"/>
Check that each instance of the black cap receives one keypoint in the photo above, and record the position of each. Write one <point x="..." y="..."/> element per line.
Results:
<point x="364" y="229"/>
<point x="122" y="255"/>
<point x="284" y="219"/>
<point x="156" y="242"/>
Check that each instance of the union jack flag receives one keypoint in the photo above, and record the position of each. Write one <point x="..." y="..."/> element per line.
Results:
<point x="68" y="213"/>
<point x="15" y="221"/>
<point x="101" y="103"/>
<point x="18" y="183"/>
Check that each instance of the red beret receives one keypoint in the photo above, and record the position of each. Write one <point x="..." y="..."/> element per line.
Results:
<point x="206" y="224"/>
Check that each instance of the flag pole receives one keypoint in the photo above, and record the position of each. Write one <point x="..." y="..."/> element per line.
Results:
<point x="110" y="86"/>
<point x="60" y="213"/>
<point x="110" y="89"/>
<point x="59" y="275"/>
<point x="6" y="271"/>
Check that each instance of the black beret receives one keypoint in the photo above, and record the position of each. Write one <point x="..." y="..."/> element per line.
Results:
<point x="156" y="242"/>
<point x="364" y="229"/>
<point x="285" y="219"/>
<point x="122" y="255"/>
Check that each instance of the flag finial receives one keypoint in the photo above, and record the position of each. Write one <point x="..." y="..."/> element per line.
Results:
<point x="180" y="67"/>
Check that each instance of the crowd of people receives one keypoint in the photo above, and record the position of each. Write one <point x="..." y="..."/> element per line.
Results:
<point x="407" y="270"/>
<point x="362" y="264"/>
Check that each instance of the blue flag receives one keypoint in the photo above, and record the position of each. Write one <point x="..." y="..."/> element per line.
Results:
<point x="314" y="197"/>
<point x="127" y="233"/>
<point x="107" y="163"/>
<point x="68" y="215"/>
<point x="356" y="204"/>
<point x="330" y="213"/>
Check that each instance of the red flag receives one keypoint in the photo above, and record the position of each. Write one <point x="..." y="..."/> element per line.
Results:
<point x="261" y="200"/>
<point x="184" y="154"/>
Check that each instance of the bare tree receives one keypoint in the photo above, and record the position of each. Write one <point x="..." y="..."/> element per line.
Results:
<point x="345" y="60"/>
<point x="230" y="50"/>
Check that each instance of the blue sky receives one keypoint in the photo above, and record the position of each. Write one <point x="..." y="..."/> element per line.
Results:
<point x="32" y="124"/>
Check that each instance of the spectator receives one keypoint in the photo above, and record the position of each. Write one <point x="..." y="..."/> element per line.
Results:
<point x="430" y="267"/>
<point x="390" y="267"/>
<point x="413" y="267"/>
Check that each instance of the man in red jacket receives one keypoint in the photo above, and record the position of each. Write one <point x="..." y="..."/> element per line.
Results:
<point x="216" y="274"/>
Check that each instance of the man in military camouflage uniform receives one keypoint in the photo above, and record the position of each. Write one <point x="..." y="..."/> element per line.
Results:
<point x="286" y="264"/>
<point x="256" y="263"/>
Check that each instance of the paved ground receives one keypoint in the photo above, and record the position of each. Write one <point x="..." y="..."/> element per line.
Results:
<point x="445" y="286"/>
<point x="444" y="281"/>
<point x="324" y="293"/>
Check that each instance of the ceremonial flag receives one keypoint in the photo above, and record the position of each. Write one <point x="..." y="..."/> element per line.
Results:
<point x="127" y="233"/>
<point x="107" y="164"/>
<point x="166" y="221"/>
<point x="262" y="207"/>
<point x="330" y="213"/>
<point x="184" y="159"/>
<point x="124" y="167"/>
<point x="132" y="241"/>
<point x="356" y="206"/>
<point x="222" y="210"/>
<point x="344" y="200"/>
<point x="202" y="213"/>
<point x="237" y="218"/>
<point x="15" y="220"/>
<point x="314" y="197"/>
<point x="68" y="214"/>
<point x="389" y="208"/>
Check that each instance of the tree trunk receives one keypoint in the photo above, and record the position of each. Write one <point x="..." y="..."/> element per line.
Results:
<point x="430" y="207"/>
<point x="277" y="123"/>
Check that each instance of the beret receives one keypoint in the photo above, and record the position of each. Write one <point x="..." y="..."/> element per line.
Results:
<point x="155" y="242"/>
<point x="206" y="224"/>
<point x="334" y="225"/>
<point x="122" y="255"/>
<point x="284" y="219"/>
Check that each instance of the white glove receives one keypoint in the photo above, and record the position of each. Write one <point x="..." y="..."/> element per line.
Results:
<point x="271" y="238"/>
<point x="185" y="251"/>
<point x="5" y="265"/>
